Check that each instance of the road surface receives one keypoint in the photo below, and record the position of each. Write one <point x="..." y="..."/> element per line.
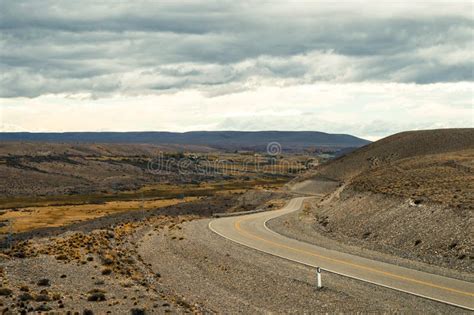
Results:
<point x="251" y="230"/>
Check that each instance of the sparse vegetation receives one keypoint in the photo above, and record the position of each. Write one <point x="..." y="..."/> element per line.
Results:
<point x="5" y="291"/>
<point x="441" y="178"/>
<point x="109" y="254"/>
<point x="96" y="295"/>
<point x="84" y="182"/>
<point x="43" y="282"/>
<point x="409" y="195"/>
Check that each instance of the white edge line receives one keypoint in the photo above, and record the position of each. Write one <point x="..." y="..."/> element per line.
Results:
<point x="331" y="271"/>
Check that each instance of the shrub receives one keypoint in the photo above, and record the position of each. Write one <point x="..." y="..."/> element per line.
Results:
<point x="62" y="257"/>
<point x="42" y="298"/>
<point x="43" y="282"/>
<point x="25" y="297"/>
<point x="5" y="292"/>
<point x="96" y="295"/>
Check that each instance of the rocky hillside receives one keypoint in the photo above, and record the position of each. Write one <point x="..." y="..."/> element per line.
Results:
<point x="403" y="145"/>
<point x="434" y="165"/>
<point x="410" y="195"/>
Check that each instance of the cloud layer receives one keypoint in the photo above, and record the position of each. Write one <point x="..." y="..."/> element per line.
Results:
<point x="365" y="68"/>
<point x="145" y="47"/>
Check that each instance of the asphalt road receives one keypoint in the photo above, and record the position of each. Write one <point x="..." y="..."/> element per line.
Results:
<point x="251" y="230"/>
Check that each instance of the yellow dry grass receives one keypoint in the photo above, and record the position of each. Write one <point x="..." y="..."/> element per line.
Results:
<point x="53" y="216"/>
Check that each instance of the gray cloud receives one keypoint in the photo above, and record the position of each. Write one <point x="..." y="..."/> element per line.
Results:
<point x="146" y="47"/>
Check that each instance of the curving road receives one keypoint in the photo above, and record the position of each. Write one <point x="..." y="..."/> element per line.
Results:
<point x="251" y="230"/>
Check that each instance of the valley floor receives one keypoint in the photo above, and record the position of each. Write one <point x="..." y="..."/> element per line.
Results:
<point x="167" y="260"/>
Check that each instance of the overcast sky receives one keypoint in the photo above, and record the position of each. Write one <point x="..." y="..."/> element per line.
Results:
<point x="369" y="69"/>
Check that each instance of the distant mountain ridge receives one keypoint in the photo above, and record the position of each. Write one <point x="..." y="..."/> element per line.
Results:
<point x="289" y="140"/>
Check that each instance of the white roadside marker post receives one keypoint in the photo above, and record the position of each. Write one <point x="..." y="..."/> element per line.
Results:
<point x="318" y="276"/>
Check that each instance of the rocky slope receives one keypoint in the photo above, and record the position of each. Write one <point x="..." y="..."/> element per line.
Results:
<point x="409" y="195"/>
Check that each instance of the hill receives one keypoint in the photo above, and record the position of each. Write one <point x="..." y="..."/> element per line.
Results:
<point x="394" y="148"/>
<point x="229" y="140"/>
<point x="409" y="195"/>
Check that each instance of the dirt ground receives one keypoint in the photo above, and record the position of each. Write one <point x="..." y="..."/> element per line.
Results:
<point x="94" y="265"/>
<point x="167" y="260"/>
<point x="229" y="278"/>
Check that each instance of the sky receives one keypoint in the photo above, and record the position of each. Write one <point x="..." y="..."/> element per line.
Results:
<point x="365" y="68"/>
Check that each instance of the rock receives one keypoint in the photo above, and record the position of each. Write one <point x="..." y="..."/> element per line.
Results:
<point x="137" y="311"/>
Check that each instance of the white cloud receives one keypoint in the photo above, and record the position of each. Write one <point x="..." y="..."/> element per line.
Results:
<point x="370" y="110"/>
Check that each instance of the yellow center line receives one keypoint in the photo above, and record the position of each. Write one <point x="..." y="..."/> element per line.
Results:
<point x="240" y="230"/>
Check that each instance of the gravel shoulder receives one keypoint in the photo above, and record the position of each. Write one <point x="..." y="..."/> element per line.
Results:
<point x="222" y="276"/>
